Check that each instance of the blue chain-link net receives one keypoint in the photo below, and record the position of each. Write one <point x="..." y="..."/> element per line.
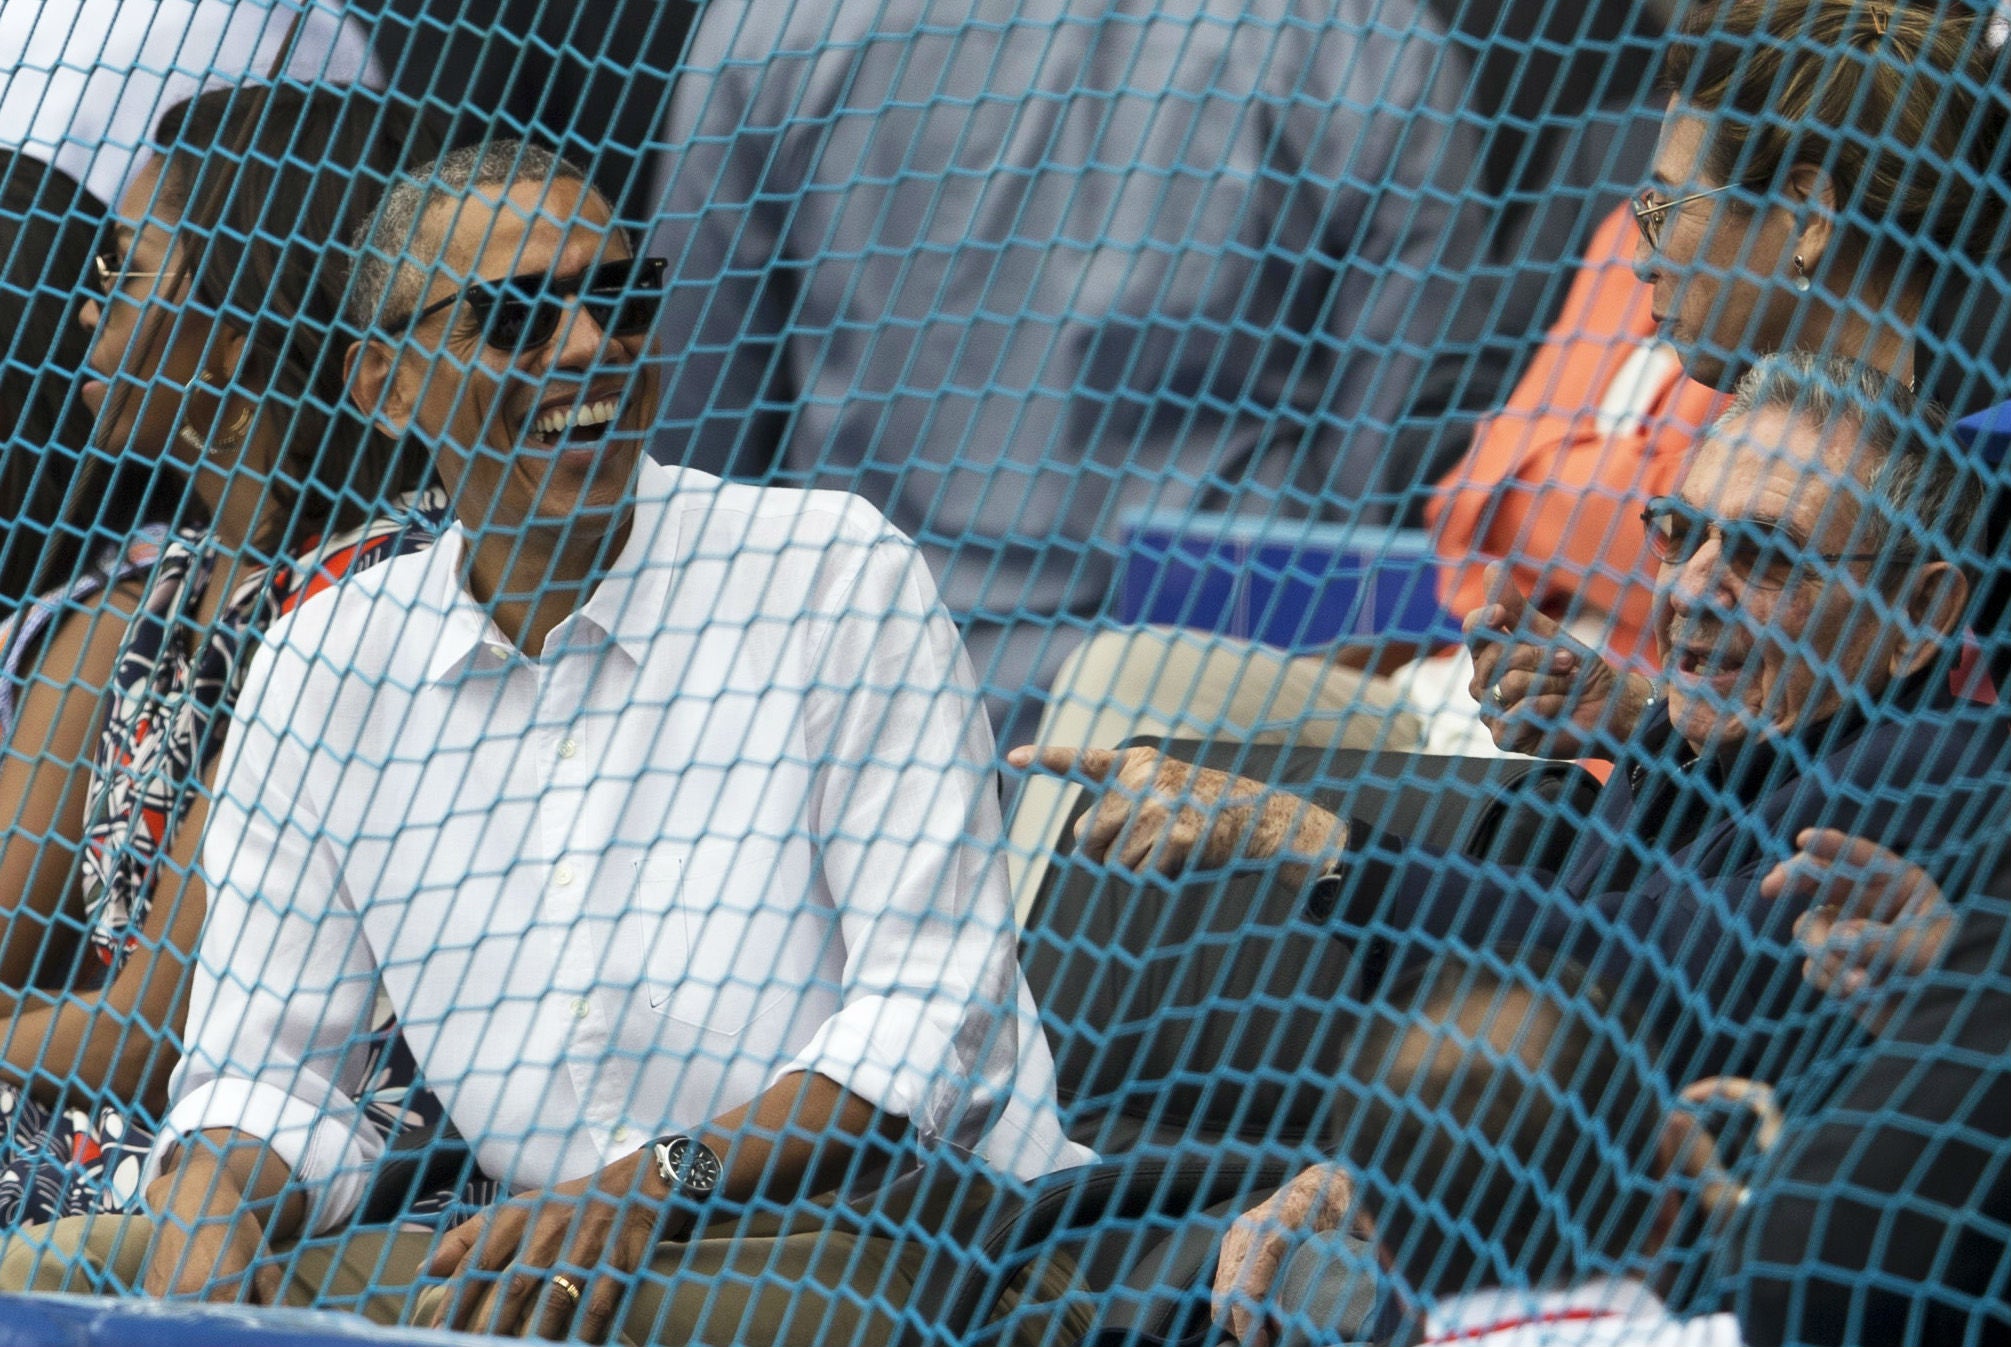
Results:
<point x="1312" y="670"/>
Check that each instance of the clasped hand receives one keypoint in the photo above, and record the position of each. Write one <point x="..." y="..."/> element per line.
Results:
<point x="1160" y="813"/>
<point x="1319" y="1201"/>
<point x="1540" y="690"/>
<point x="509" y="1268"/>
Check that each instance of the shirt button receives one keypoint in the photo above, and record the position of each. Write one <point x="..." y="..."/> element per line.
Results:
<point x="500" y="651"/>
<point x="624" y="1132"/>
<point x="562" y="876"/>
<point x="582" y="1007"/>
<point x="569" y="748"/>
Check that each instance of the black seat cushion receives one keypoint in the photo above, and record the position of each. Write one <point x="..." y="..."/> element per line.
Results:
<point x="1210" y="1006"/>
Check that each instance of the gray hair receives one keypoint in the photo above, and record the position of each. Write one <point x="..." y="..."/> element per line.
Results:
<point x="1918" y="497"/>
<point x="389" y="273"/>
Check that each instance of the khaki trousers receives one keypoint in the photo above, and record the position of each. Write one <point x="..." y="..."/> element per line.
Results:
<point x="757" y="1281"/>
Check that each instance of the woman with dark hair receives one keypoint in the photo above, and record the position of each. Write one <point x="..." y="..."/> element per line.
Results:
<point x="217" y="353"/>
<point x="49" y="230"/>
<point x="74" y="514"/>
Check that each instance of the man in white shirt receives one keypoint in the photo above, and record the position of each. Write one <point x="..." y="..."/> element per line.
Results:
<point x="662" y="810"/>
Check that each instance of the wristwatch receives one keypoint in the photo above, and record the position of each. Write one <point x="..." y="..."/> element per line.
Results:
<point x="693" y="1171"/>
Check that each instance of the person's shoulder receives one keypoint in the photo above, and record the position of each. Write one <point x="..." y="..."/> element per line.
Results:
<point x="1929" y="737"/>
<point x="705" y="513"/>
<point x="111" y="580"/>
<point x="1914" y="772"/>
<point x="402" y="529"/>
<point x="366" y="616"/>
<point x="745" y="40"/>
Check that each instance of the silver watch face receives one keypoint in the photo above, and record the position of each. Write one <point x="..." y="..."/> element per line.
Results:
<point x="688" y="1165"/>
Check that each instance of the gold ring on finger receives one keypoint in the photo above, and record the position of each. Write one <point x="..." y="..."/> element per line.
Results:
<point x="1498" y="698"/>
<point x="568" y="1285"/>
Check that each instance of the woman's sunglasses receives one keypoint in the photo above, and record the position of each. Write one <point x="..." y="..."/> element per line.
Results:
<point x="1759" y="553"/>
<point x="524" y="312"/>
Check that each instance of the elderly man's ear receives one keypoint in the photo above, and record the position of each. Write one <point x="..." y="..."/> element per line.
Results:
<point x="1936" y="597"/>
<point x="378" y="387"/>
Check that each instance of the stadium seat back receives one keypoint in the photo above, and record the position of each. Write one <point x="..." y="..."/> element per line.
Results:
<point x="1212" y="1007"/>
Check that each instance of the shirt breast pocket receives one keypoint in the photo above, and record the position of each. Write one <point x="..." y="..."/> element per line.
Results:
<point x="724" y="939"/>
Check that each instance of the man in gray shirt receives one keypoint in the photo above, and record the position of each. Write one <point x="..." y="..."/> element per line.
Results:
<point x="1013" y="268"/>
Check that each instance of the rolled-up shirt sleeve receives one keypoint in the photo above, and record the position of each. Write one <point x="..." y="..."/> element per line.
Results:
<point x="935" y="1023"/>
<point x="284" y="984"/>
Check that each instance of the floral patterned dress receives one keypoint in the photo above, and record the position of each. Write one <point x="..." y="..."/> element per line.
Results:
<point x="22" y="633"/>
<point x="173" y="688"/>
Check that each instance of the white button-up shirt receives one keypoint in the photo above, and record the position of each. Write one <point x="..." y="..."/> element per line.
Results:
<point x="738" y="820"/>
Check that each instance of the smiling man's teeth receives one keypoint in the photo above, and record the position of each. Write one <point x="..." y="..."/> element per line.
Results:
<point x="1709" y="661"/>
<point x="564" y="418"/>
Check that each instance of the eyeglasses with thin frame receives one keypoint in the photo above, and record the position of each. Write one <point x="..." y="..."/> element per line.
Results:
<point x="1761" y="553"/>
<point x="1651" y="214"/>
<point x="520" y="313"/>
<point x="109" y="270"/>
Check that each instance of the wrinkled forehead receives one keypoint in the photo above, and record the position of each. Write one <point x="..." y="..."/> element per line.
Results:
<point x="1779" y="464"/>
<point x="528" y="227"/>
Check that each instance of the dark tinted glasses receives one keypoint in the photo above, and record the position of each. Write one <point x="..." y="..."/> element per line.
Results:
<point x="524" y="312"/>
<point x="1759" y="553"/>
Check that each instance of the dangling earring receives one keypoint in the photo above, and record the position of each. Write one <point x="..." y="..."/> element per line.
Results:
<point x="1801" y="276"/>
<point x="221" y="443"/>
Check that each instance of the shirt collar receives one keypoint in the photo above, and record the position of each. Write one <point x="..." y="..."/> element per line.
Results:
<point x="1746" y="768"/>
<point x="463" y="628"/>
<point x="627" y="605"/>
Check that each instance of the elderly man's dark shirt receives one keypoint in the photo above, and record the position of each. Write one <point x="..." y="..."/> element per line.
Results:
<point x="1885" y="1213"/>
<point x="1660" y="896"/>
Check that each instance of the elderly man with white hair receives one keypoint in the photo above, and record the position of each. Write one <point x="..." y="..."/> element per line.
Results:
<point x="1816" y="567"/>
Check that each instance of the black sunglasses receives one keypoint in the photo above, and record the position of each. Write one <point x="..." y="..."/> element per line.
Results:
<point x="522" y="312"/>
<point x="1760" y="553"/>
